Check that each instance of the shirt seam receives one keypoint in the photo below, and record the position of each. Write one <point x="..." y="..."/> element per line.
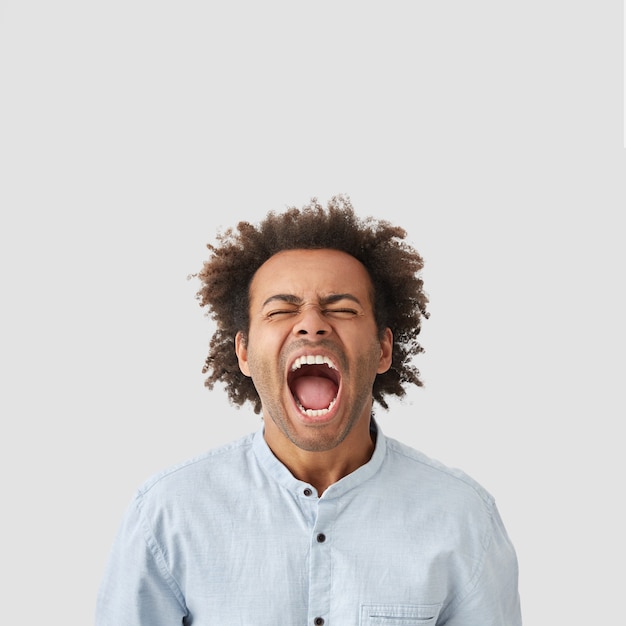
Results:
<point x="158" y="554"/>
<point x="472" y="583"/>
<point x="480" y="491"/>
<point x="488" y="501"/>
<point x="153" y="482"/>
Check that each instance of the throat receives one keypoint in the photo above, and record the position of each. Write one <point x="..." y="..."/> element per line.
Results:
<point x="315" y="393"/>
<point x="323" y="468"/>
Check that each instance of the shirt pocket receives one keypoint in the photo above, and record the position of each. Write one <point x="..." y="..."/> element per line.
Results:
<point x="399" y="614"/>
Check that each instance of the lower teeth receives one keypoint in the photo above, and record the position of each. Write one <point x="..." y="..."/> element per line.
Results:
<point x="316" y="412"/>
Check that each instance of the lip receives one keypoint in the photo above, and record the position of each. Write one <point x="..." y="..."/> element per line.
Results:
<point x="321" y="358"/>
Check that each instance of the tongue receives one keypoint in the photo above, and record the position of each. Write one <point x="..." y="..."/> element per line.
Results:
<point x="314" y="392"/>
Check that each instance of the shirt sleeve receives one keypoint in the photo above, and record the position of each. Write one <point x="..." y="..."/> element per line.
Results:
<point x="492" y="597"/>
<point x="137" y="589"/>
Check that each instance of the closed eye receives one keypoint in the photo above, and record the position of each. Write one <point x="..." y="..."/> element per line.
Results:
<point x="280" y="312"/>
<point x="341" y="313"/>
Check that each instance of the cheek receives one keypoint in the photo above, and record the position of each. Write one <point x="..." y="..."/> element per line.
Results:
<point x="373" y="361"/>
<point x="266" y="343"/>
<point x="262" y="362"/>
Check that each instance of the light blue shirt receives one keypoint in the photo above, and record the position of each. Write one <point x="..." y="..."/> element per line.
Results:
<point x="233" y="538"/>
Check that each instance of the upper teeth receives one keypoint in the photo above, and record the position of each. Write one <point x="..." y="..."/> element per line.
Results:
<point x="318" y="359"/>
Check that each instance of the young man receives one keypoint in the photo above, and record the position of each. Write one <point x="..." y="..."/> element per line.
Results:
<point x="318" y="518"/>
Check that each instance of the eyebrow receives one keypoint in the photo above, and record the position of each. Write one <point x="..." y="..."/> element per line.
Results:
<point x="331" y="299"/>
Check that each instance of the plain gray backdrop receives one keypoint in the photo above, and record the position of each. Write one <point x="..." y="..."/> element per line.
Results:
<point x="131" y="132"/>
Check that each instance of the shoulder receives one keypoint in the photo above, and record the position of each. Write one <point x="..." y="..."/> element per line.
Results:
<point x="416" y="471"/>
<point x="202" y="470"/>
<point x="424" y="489"/>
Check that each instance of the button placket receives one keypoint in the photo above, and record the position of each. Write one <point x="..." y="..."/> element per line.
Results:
<point x="320" y="573"/>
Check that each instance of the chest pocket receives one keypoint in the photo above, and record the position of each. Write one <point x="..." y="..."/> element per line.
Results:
<point x="399" y="614"/>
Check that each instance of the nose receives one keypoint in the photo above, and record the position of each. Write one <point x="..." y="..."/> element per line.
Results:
<point x="312" y="321"/>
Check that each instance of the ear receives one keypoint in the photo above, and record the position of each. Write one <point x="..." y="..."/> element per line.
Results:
<point x="386" y="351"/>
<point x="241" y="350"/>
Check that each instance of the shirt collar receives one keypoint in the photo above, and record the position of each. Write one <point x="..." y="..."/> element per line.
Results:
<point x="278" y="472"/>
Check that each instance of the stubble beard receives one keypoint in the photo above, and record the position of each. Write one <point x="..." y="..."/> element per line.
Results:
<point x="321" y="440"/>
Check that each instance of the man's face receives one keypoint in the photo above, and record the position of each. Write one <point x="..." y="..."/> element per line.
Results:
<point x="313" y="350"/>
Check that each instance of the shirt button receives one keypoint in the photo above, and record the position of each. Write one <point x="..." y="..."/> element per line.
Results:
<point x="318" y="621"/>
<point x="321" y="538"/>
<point x="308" y="492"/>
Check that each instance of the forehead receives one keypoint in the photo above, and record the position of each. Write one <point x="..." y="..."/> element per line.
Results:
<point x="302" y="272"/>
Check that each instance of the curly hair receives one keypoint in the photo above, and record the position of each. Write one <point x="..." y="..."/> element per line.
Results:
<point x="394" y="266"/>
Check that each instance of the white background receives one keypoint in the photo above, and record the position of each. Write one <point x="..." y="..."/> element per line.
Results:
<point x="130" y="132"/>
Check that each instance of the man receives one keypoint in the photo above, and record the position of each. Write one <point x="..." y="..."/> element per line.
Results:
<point x="318" y="518"/>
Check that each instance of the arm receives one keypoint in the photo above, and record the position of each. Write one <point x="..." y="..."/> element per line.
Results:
<point x="137" y="588"/>
<point x="491" y="597"/>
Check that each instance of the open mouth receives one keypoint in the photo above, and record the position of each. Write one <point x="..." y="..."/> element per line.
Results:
<point x="314" y="384"/>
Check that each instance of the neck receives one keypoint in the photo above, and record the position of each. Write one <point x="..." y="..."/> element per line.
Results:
<point x="322" y="468"/>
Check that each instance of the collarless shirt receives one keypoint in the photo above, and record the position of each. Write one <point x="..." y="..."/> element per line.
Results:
<point x="233" y="538"/>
